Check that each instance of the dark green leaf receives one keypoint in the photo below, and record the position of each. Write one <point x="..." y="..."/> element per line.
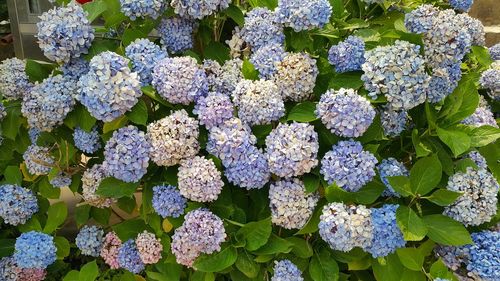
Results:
<point x="411" y="225"/>
<point x="323" y="267"/>
<point x="249" y="71"/>
<point x="301" y="248"/>
<point x="217" y="51"/>
<point x="13" y="175"/>
<point x="247" y="265"/>
<point x="425" y="175"/>
<point x="446" y="231"/>
<point x="461" y="103"/>
<point x="129" y="229"/>
<point x="63" y="247"/>
<point x="311" y="182"/>
<point x="82" y="214"/>
<point x="401" y="185"/>
<point x="7" y="247"/>
<point x="457" y="141"/>
<point x="236" y="14"/>
<point x="127" y="204"/>
<point x="216" y="261"/>
<point x="346" y="80"/>
<point x="94" y="9"/>
<point x="89" y="272"/>
<point x="101" y="215"/>
<point x="56" y="216"/>
<point x="115" y="188"/>
<point x="443" y="197"/>
<point x="139" y="113"/>
<point x="47" y="190"/>
<point x="115" y="124"/>
<point x="275" y="245"/>
<point x="11" y="123"/>
<point x="256" y="234"/>
<point x="390" y="270"/>
<point x="411" y="258"/>
<point x="37" y="71"/>
<point x="303" y="112"/>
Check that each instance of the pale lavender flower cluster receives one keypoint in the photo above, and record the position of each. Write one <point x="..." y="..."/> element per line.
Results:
<point x="38" y="160"/>
<point x="126" y="154"/>
<point x="199" y="179"/>
<point x="285" y="270"/>
<point x="144" y="55"/>
<point x="91" y="179"/>
<point x="348" y="165"/>
<point x="251" y="171"/>
<point x="393" y="121"/>
<point x="482" y="116"/>
<point x="8" y="269"/>
<point x="495" y="51"/>
<point x="17" y="204"/>
<point x="261" y="28"/>
<point x="461" y="5"/>
<point x="34" y="133"/>
<point x="443" y="81"/>
<point x="168" y="201"/>
<point x="214" y="109"/>
<point x="61" y="180"/>
<point x="109" y="89"/>
<point x="296" y="76"/>
<point x="75" y="68"/>
<point x="421" y="20"/>
<point x="34" y="250"/>
<point x="90" y="240"/>
<point x="478" y="159"/>
<point x="149" y="247"/>
<point x="303" y="15"/>
<point x="110" y="249"/>
<point x="64" y="33"/>
<point x="391" y="167"/>
<point x="201" y="232"/>
<point x="387" y="236"/>
<point x="32" y="274"/>
<point x="224" y="79"/>
<point x="265" y="58"/>
<point x="88" y="142"/>
<point x="129" y="257"/>
<point x="345" y="113"/>
<point x="291" y="207"/>
<point x="14" y="82"/>
<point x="490" y="79"/>
<point x="292" y="149"/>
<point x="142" y="8"/>
<point x="177" y="34"/>
<point x="474" y="27"/>
<point x="347" y="55"/>
<point x="198" y="9"/>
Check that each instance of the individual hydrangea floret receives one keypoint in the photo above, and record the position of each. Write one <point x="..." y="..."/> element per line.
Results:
<point x="168" y="201"/>
<point x="34" y="250"/>
<point x="393" y="121"/>
<point x="303" y="15"/>
<point x="110" y="249"/>
<point x="126" y="154"/>
<point x="482" y="116"/>
<point x="149" y="247"/>
<point x="201" y="232"/>
<point x="90" y="240"/>
<point x="387" y="236"/>
<point x="129" y="257"/>
<point x="91" y="179"/>
<point x="421" y="19"/>
<point x="250" y="171"/>
<point x="261" y="29"/>
<point x="285" y="270"/>
<point x="296" y="76"/>
<point x="265" y="58"/>
<point x="144" y="55"/>
<point x="345" y="113"/>
<point x="61" y="180"/>
<point x="461" y="5"/>
<point x="292" y="149"/>
<point x="8" y="269"/>
<point x="490" y="79"/>
<point x="14" y="82"/>
<point x="344" y="227"/>
<point x="495" y="52"/>
<point x="391" y="167"/>
<point x="75" y="68"/>
<point x="478" y="202"/>
<point x="348" y="165"/>
<point x="17" y="204"/>
<point x="64" y="33"/>
<point x="48" y="103"/>
<point x="38" y="160"/>
<point x="478" y="159"/>
<point x="88" y="142"/>
<point x="398" y="72"/>
<point x="484" y="257"/>
<point x="180" y="80"/>
<point x="214" y="109"/>
<point x="177" y="34"/>
<point x="173" y="138"/>
<point x="291" y="207"/>
<point x="347" y="55"/>
<point x="198" y="9"/>
<point x="443" y="81"/>
<point x="109" y="89"/>
<point x="32" y="274"/>
<point x="142" y="8"/>
<point x="199" y="179"/>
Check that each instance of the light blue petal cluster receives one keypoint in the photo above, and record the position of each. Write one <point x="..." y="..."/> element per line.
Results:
<point x="34" y="250"/>
<point x="64" y="33"/>
<point x="478" y="159"/>
<point x="443" y="81"/>
<point x="109" y="89"/>
<point x="490" y="79"/>
<point x="303" y="15"/>
<point x="198" y="9"/>
<point x="251" y="171"/>
<point x="461" y="5"/>
<point x="474" y="27"/>
<point x="261" y="28"/>
<point x="348" y="165"/>
<point x="393" y="121"/>
<point x="296" y="76"/>
<point x="61" y="180"/>
<point x="177" y="34"/>
<point x="88" y="142"/>
<point x="14" y="82"/>
<point x="199" y="180"/>
<point x="142" y="8"/>
<point x="8" y="269"/>
<point x="387" y="236"/>
<point x="34" y="133"/>
<point x="285" y="270"/>
<point x="391" y="167"/>
<point x="214" y="109"/>
<point x="421" y="20"/>
<point x="495" y="51"/>
<point x="223" y="79"/>
<point x="168" y="201"/>
<point x="38" y="160"/>
<point x="265" y="58"/>
<point x="347" y="55"/>
<point x="17" y="204"/>
<point x="482" y="116"/>
<point x="126" y="154"/>
<point x="90" y="240"/>
<point x="75" y="68"/>
<point x="144" y="55"/>
<point x="3" y="112"/>
<point x="129" y="257"/>
<point x="484" y="257"/>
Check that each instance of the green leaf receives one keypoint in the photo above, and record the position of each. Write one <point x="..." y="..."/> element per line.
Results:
<point x="247" y="265"/>
<point x="390" y="270"/>
<point x="73" y="275"/>
<point x="411" y="275"/>
<point x="411" y="225"/>
<point x="337" y="7"/>
<point x="150" y="92"/>
<point x="275" y="245"/>
<point x="425" y="175"/>
<point x="400" y="184"/>
<point x="446" y="231"/>
<point x="366" y="195"/>
<point x="216" y="261"/>
<point x="129" y="229"/>
<point x="312" y="225"/>
<point x="482" y="55"/>
<point x="115" y="124"/>
<point x="301" y="248"/>
<point x="101" y="215"/>
<point x="13" y="175"/>
<point x="346" y="80"/>
<point x="63" y="247"/>
<point x="439" y="270"/>
<point x="484" y="135"/>
<point x="311" y="182"/>
<point x="443" y="197"/>
<point x="461" y="103"/>
<point x="139" y="113"/>
<point x="303" y="112"/>
<point x="115" y="188"/>
<point x="56" y="215"/>
<point x="131" y="34"/>
<point x="217" y="51"/>
<point x="411" y="258"/>
<point x="37" y="71"/>
<point x="127" y="204"/>
<point x="89" y="272"/>
<point x="11" y="123"/>
<point x="7" y="247"/>
<point x="47" y="190"/>
<point x="323" y="267"/>
<point x="459" y="142"/>
<point x="82" y="214"/>
<point x="421" y="149"/>
<point x="236" y="14"/>
<point x="32" y="224"/>
<point x="249" y="71"/>
<point x="94" y="9"/>
<point x="256" y="234"/>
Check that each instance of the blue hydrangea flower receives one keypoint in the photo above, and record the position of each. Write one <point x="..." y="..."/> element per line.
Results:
<point x="14" y="82"/>
<point x="214" y="109"/>
<point x="250" y="171"/>
<point x="391" y="167"/>
<point x="34" y="250"/>
<point x="285" y="270"/>
<point x="168" y="201"/>
<point x="474" y="27"/>
<point x="495" y="51"/>
<point x="177" y="34"/>
<point x="461" y="5"/>
<point x="48" y="103"/>
<point x="61" y="180"/>
<point x="490" y="79"/>
<point x="387" y="236"/>
<point x="64" y="33"/>
<point x="38" y="160"/>
<point x="265" y="58"/>
<point x="443" y="81"/>
<point x="393" y="122"/>
<point x="90" y="240"/>
<point x="109" y="89"/>
<point x="180" y="80"/>
<point x="198" y="9"/>
<point x="8" y="269"/>
<point x="126" y="154"/>
<point x="296" y="76"/>
<point x="88" y="142"/>
<point x="3" y="113"/>
<point x="17" y="204"/>
<point x="348" y="165"/>
<point x="261" y="29"/>
<point x="421" y="20"/>
<point x="482" y="116"/>
<point x="142" y="8"/>
<point x="129" y="257"/>
<point x="199" y="180"/>
<point x="34" y="133"/>
<point x="345" y="113"/>
<point x="484" y="257"/>
<point x="144" y="55"/>
<point x="223" y="79"/>
<point x="303" y="15"/>
<point x="347" y="55"/>
<point x="478" y="159"/>
<point x="75" y="68"/>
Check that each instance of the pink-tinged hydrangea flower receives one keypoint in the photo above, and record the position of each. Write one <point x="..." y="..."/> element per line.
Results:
<point x="261" y="29"/>
<point x="303" y="15"/>
<point x="214" y="109"/>
<point x="14" y="82"/>
<point x="285" y="270"/>
<point x="90" y="240"/>
<point x="296" y="76"/>
<point x="32" y="274"/>
<point x="38" y="160"/>
<point x="17" y="204"/>
<point x="110" y="248"/>
<point x="149" y="247"/>
<point x="199" y="179"/>
<point x="198" y="9"/>
<point x="91" y="179"/>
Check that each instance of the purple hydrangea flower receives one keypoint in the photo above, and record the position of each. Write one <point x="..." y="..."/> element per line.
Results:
<point x="391" y="167"/>
<point x="177" y="34"/>
<point x="90" y="240"/>
<point x="482" y="116"/>
<point x="8" y="269"/>
<point x="88" y="142"/>
<point x="75" y="68"/>
<point x="261" y="28"/>
<point x="198" y="9"/>
<point x="91" y="179"/>
<point x="168" y="201"/>
<point x="495" y="51"/>
<point x="14" y="82"/>
<point x="484" y="257"/>
<point x="421" y="20"/>
<point x="443" y="81"/>
<point x="61" y="180"/>
<point x="214" y="109"/>
<point x="17" y="204"/>
<point x="347" y="55"/>
<point x="478" y="159"/>
<point x="265" y="58"/>
<point x="129" y="257"/>
<point x="142" y="8"/>
<point x="393" y="122"/>
<point x="490" y="79"/>
<point x="199" y="179"/>
<point x="149" y="247"/>
<point x="250" y="171"/>
<point x="461" y="5"/>
<point x="38" y="160"/>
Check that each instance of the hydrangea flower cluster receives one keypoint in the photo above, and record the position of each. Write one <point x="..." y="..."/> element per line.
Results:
<point x="478" y="159"/>
<point x="201" y="232"/>
<point x="490" y="79"/>
<point x="64" y="33"/>
<point x="290" y="206"/>
<point x="347" y="55"/>
<point x="482" y="116"/>
<point x="214" y="109"/>
<point x="285" y="270"/>
<point x="303" y="15"/>
<point x="345" y="113"/>
<point x="32" y="274"/>
<point x="391" y="167"/>
<point x="292" y="149"/>
<point x="149" y="247"/>
<point x="168" y="201"/>
<point x="173" y="138"/>
<point x="199" y="180"/>
<point x="34" y="250"/>
<point x="180" y="80"/>
<point x="144" y="55"/>
<point x="478" y="202"/>
<point x="495" y="52"/>
<point x="398" y="72"/>
<point x="75" y="68"/>
<point x="261" y="28"/>
<point x="296" y="76"/>
<point x="393" y="122"/>
<point x="387" y="236"/>
<point x="110" y="249"/>
<point x="421" y="20"/>
<point x="177" y="34"/>
<point x="225" y="78"/>
<point x="126" y="154"/>
<point x="14" y="82"/>
<point x="348" y="165"/>
<point x="8" y="269"/>
<point x="129" y="257"/>
<point x="91" y="179"/>
<point x="90" y="240"/>
<point x="484" y="257"/>
<point x="461" y="5"/>
<point x="61" y="180"/>
<point x="474" y="27"/>
<point x="142" y="8"/>
<point x="48" y="103"/>
<point x="265" y="58"/>
<point x="33" y="134"/>
<point x="88" y="142"/>
<point x="38" y="160"/>
<point x="230" y="141"/>
<point x="198" y="9"/>
<point x="250" y="171"/>
<point x="443" y="81"/>
<point x="17" y="204"/>
<point x="109" y="89"/>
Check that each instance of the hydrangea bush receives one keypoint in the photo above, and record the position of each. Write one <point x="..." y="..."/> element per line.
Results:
<point x="282" y="140"/>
